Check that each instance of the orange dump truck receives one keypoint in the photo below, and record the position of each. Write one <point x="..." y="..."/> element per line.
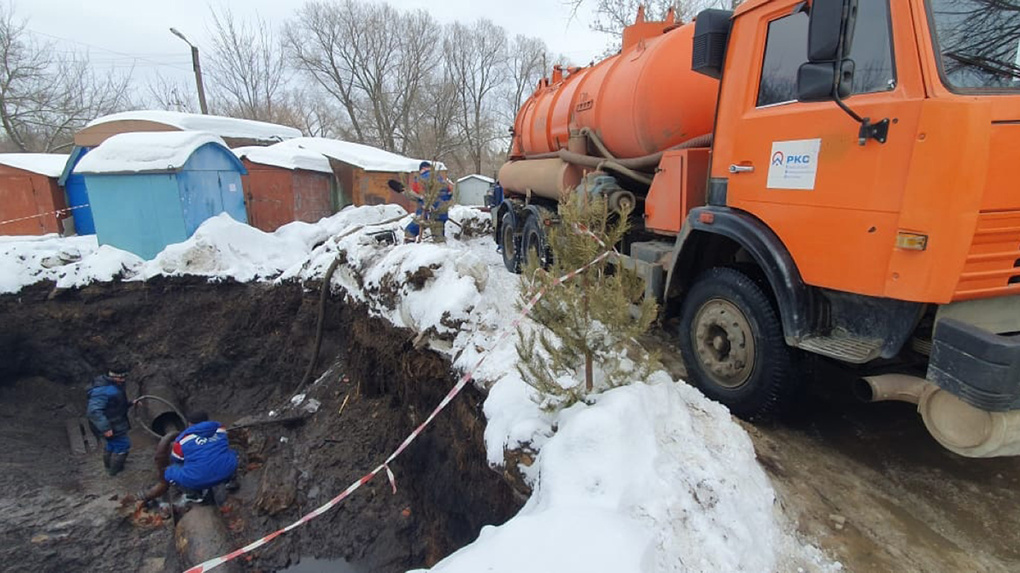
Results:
<point x="829" y="177"/>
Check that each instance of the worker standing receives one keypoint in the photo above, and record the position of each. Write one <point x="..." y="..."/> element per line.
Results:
<point x="108" y="415"/>
<point x="433" y="195"/>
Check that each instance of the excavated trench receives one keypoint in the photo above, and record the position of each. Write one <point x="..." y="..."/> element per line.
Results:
<point x="237" y="351"/>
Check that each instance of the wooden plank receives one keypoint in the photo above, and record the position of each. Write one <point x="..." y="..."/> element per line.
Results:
<point x="75" y="437"/>
<point x="91" y="443"/>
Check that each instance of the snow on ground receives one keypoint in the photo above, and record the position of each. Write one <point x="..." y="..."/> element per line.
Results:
<point x="649" y="477"/>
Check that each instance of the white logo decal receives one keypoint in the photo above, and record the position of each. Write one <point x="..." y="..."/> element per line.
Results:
<point x="794" y="164"/>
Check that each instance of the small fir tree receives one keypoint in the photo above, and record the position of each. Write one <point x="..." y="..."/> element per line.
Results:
<point x="588" y="320"/>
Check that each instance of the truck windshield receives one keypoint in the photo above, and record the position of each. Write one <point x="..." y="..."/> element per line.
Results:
<point x="978" y="42"/>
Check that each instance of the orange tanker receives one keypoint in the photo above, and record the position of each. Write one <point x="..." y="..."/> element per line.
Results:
<point x="828" y="177"/>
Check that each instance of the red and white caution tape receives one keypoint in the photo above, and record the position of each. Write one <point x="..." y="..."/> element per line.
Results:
<point x="461" y="383"/>
<point x="57" y="212"/>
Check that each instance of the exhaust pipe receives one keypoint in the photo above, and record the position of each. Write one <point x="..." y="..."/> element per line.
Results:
<point x="956" y="425"/>
<point x="891" y="387"/>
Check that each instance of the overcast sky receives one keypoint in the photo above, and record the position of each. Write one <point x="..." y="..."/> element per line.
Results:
<point x="126" y="33"/>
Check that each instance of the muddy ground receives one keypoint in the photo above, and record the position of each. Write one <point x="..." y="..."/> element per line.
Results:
<point x="238" y="352"/>
<point x="867" y="484"/>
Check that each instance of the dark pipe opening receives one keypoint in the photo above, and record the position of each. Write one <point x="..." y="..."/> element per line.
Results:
<point x="167" y="422"/>
<point x="863" y="391"/>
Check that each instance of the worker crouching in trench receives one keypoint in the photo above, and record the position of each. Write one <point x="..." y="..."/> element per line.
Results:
<point x="196" y="460"/>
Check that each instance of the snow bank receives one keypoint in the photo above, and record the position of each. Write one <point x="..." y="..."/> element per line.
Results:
<point x="363" y="156"/>
<point x="69" y="262"/>
<point x="145" y="151"/>
<point x="229" y="127"/>
<point x="48" y="164"/>
<point x="286" y="157"/>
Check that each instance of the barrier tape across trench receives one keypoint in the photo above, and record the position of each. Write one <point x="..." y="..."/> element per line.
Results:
<point x="461" y="383"/>
<point x="57" y="212"/>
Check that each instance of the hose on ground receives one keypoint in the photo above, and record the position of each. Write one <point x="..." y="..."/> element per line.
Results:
<point x="324" y="291"/>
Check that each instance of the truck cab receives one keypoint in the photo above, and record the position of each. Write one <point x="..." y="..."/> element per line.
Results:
<point x="876" y="203"/>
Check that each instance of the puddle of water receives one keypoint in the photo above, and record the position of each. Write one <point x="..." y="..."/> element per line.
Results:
<point x="313" y="565"/>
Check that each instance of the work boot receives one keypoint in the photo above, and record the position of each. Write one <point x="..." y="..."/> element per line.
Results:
<point x="116" y="463"/>
<point x="106" y="459"/>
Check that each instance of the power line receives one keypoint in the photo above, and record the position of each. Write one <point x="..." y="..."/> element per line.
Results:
<point x="125" y="54"/>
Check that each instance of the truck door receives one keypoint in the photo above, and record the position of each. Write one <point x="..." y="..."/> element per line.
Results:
<point x="798" y="166"/>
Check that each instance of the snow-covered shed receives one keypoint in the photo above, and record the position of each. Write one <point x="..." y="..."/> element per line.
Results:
<point x="471" y="189"/>
<point x="149" y="190"/>
<point x="286" y="184"/>
<point x="235" y="132"/>
<point x="363" y="171"/>
<point x="31" y="201"/>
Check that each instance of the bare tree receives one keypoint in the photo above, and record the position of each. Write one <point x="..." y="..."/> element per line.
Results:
<point x="170" y="94"/>
<point x="249" y="73"/>
<point x="44" y="96"/>
<point x="475" y="56"/>
<point x="612" y="16"/>
<point x="371" y="58"/>
<point x="524" y="68"/>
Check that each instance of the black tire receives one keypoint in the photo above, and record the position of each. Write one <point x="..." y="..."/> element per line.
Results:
<point x="534" y="243"/>
<point x="509" y="243"/>
<point x="731" y="340"/>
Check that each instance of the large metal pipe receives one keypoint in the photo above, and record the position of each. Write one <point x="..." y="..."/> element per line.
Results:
<point x="157" y="410"/>
<point x="956" y="425"/>
<point x="201" y="535"/>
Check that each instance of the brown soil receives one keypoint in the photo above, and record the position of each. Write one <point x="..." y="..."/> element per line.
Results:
<point x="236" y="351"/>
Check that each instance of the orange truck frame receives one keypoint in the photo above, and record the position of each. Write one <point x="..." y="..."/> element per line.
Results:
<point x="829" y="177"/>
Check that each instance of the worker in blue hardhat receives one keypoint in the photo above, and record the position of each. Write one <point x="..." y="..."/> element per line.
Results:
<point x="437" y="211"/>
<point x="108" y="415"/>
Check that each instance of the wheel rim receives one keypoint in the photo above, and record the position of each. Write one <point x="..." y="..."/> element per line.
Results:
<point x="724" y="343"/>
<point x="509" y="252"/>
<point x="533" y="246"/>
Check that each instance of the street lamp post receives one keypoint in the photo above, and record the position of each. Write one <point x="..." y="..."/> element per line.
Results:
<point x="198" y="70"/>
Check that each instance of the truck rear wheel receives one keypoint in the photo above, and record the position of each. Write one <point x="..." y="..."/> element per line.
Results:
<point x="533" y="242"/>
<point x="509" y="244"/>
<point x="732" y="344"/>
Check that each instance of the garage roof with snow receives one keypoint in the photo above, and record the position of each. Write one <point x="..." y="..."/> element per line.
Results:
<point x="229" y="128"/>
<point x="477" y="176"/>
<point x="48" y="164"/>
<point x="363" y="156"/>
<point x="146" y="152"/>
<point x="287" y="157"/>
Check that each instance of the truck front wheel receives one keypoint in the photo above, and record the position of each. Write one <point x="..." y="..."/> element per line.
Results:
<point x="732" y="344"/>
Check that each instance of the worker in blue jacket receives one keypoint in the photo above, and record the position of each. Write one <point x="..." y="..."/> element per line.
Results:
<point x="435" y="212"/>
<point x="108" y="415"/>
<point x="201" y="456"/>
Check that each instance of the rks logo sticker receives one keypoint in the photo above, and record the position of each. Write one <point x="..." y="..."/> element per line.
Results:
<point x="793" y="164"/>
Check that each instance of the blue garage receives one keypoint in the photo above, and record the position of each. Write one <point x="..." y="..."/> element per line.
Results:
<point x="149" y="190"/>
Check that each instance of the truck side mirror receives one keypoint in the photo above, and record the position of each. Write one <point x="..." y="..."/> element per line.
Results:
<point x="815" y="80"/>
<point x="828" y="74"/>
<point x="711" y="34"/>
<point x="825" y="29"/>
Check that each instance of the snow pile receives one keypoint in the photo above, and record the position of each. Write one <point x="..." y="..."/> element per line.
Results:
<point x="145" y="151"/>
<point x="363" y="156"/>
<point x="69" y="262"/>
<point x="289" y="157"/>
<point x="229" y="127"/>
<point x="220" y="249"/>
<point x="48" y="164"/>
